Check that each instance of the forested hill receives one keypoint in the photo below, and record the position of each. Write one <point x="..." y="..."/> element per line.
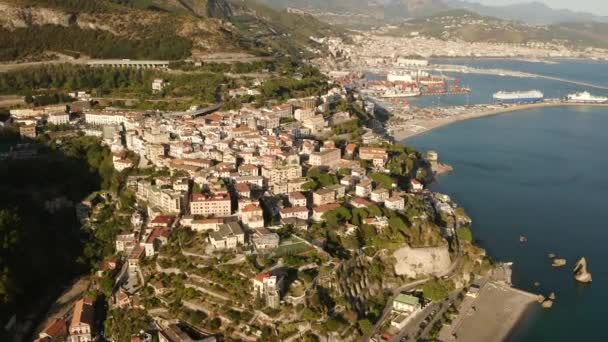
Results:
<point x="150" y="29"/>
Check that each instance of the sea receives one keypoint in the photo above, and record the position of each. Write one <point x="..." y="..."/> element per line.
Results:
<point x="542" y="174"/>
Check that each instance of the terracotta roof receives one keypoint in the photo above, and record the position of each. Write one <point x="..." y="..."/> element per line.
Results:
<point x="162" y="219"/>
<point x="56" y="329"/>
<point x="262" y="276"/>
<point x="83" y="313"/>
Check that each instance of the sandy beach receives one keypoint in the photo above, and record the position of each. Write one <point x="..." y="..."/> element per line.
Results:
<point x="490" y="316"/>
<point x="423" y="126"/>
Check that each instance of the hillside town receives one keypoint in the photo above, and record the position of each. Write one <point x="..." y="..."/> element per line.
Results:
<point x="266" y="223"/>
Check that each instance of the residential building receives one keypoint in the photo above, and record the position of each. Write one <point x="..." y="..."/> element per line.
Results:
<point x="59" y="118"/>
<point x="81" y="326"/>
<point x="298" y="212"/>
<point x="216" y="205"/>
<point x="268" y="285"/>
<point x="282" y="174"/>
<point x="158" y="85"/>
<point x="371" y="153"/>
<point x="297" y="199"/>
<point x="404" y="303"/>
<point x="395" y="203"/>
<point x="28" y="131"/>
<point x="323" y="196"/>
<point x="328" y="158"/>
<point x="207" y="224"/>
<point x="416" y="185"/>
<point x="252" y="216"/>
<point x="379" y="195"/>
<point x="364" y="188"/>
<point x="229" y="236"/>
<point x="264" y="239"/>
<point x="104" y="118"/>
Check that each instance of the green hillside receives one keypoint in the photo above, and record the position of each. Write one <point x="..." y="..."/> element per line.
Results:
<point x="151" y="29"/>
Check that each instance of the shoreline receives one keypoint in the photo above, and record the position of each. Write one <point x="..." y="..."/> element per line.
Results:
<point x="493" y="314"/>
<point x="430" y="125"/>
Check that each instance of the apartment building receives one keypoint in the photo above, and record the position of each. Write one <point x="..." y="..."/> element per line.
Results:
<point x="328" y="158"/>
<point x="214" y="205"/>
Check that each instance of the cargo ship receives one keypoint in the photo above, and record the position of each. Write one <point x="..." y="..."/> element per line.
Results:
<point x="586" y="97"/>
<point x="531" y="96"/>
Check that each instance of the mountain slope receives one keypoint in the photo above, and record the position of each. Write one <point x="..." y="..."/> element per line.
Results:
<point x="149" y="29"/>
<point x="469" y="26"/>
<point x="531" y="12"/>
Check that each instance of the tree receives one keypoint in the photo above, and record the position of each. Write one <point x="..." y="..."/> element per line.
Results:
<point x="436" y="290"/>
<point x="397" y="224"/>
<point x="310" y="315"/>
<point x="464" y="234"/>
<point x="365" y="326"/>
<point x="374" y="210"/>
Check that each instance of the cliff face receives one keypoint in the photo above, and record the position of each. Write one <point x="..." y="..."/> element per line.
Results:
<point x="190" y="20"/>
<point x="12" y="17"/>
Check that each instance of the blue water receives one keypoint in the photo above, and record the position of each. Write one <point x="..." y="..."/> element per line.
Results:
<point x="539" y="173"/>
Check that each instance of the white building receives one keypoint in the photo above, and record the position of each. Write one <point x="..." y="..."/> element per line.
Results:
<point x="58" y="118"/>
<point x="158" y="85"/>
<point x="229" y="236"/>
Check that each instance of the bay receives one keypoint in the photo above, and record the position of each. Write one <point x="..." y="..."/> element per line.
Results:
<point x="539" y="173"/>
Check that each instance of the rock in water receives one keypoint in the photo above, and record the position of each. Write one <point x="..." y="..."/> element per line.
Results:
<point x="551" y="255"/>
<point x="559" y="262"/>
<point x="547" y="304"/>
<point x="581" y="274"/>
<point x="552" y="296"/>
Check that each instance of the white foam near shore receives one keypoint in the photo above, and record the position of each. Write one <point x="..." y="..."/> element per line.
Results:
<point x="418" y="126"/>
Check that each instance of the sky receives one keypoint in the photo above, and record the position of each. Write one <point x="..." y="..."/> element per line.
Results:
<point x="598" y="7"/>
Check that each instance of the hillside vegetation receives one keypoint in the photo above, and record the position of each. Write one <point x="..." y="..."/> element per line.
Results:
<point x="150" y="29"/>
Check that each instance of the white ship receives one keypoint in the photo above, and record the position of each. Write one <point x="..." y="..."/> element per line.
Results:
<point x="530" y="96"/>
<point x="586" y="97"/>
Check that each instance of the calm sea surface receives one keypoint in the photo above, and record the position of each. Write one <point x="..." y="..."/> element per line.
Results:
<point x="543" y="174"/>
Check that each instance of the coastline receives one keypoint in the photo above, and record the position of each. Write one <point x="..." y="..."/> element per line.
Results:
<point x="429" y="125"/>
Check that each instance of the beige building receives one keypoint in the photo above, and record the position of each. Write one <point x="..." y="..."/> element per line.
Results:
<point x="104" y="118"/>
<point x="28" y="131"/>
<point x="395" y="203"/>
<point x="299" y="212"/>
<point x="329" y="158"/>
<point x="282" y="174"/>
<point x="81" y="326"/>
<point x="323" y="196"/>
<point x="371" y="153"/>
<point x="216" y="205"/>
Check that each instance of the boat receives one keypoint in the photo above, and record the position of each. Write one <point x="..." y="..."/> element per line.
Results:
<point x="586" y="97"/>
<point x="530" y="96"/>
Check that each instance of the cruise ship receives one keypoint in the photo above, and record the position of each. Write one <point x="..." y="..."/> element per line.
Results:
<point x="586" y="97"/>
<point x="530" y="96"/>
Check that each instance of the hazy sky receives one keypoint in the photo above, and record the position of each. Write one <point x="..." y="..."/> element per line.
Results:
<point x="598" y="7"/>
